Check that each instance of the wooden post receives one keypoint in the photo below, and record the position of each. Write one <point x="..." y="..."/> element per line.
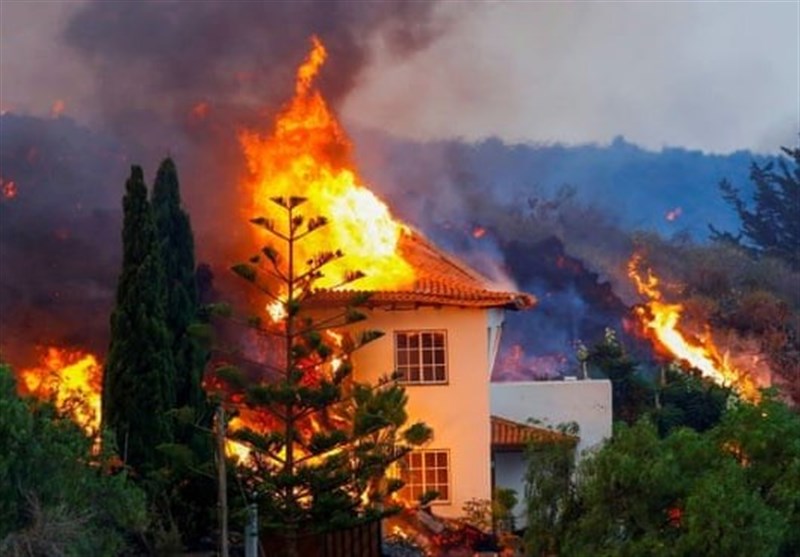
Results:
<point x="222" y="482"/>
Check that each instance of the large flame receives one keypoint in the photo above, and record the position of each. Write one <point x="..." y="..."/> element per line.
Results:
<point x="72" y="380"/>
<point x="661" y="322"/>
<point x="308" y="154"/>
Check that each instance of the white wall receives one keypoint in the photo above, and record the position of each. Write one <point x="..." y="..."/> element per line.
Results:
<point x="458" y="412"/>
<point x="586" y="402"/>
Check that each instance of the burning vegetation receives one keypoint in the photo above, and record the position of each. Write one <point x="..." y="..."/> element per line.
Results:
<point x="72" y="380"/>
<point x="661" y="322"/>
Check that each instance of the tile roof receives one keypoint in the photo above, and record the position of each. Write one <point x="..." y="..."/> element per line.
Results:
<point x="508" y="434"/>
<point x="440" y="280"/>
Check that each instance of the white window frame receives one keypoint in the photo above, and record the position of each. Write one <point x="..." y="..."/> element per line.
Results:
<point x="408" y="356"/>
<point x="429" y="474"/>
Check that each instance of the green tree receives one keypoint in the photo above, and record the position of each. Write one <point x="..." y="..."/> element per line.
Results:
<point x="549" y="492"/>
<point x="56" y="496"/>
<point x="631" y="396"/>
<point x="138" y="382"/>
<point x="320" y="460"/>
<point x="772" y="226"/>
<point x="733" y="490"/>
<point x="177" y="249"/>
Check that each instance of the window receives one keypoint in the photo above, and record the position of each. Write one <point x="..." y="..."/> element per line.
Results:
<point x="426" y="470"/>
<point x="420" y="356"/>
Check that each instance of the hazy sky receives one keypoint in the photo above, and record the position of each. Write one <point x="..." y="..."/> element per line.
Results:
<point x="717" y="76"/>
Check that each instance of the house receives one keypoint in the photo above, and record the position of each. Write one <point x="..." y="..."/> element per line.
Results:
<point x="586" y="403"/>
<point x="442" y="335"/>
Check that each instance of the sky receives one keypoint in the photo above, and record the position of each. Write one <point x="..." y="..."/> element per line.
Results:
<point x="716" y="76"/>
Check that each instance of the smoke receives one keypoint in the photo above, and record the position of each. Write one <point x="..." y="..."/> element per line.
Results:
<point x="167" y="78"/>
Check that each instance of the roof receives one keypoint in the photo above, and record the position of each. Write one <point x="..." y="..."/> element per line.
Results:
<point x="441" y="279"/>
<point x="511" y="435"/>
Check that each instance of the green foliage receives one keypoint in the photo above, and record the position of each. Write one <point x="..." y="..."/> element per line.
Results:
<point x="732" y="490"/>
<point x="320" y="458"/>
<point x="548" y="494"/>
<point x="177" y="255"/>
<point x="631" y="395"/>
<point x="138" y="383"/>
<point x="772" y="226"/>
<point x="687" y="400"/>
<point x="54" y="498"/>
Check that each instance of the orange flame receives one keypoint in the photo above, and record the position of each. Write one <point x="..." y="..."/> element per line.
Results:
<point x="72" y="380"/>
<point x="661" y="322"/>
<point x="308" y="154"/>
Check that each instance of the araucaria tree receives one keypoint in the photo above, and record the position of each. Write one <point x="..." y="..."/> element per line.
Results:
<point x="320" y="442"/>
<point x="772" y="226"/>
<point x="138" y="382"/>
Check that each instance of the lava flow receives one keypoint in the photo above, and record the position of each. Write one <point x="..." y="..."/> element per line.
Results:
<point x="72" y="380"/>
<point x="661" y="323"/>
<point x="308" y="154"/>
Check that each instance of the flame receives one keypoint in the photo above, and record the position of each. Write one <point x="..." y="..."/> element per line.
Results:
<point x="308" y="154"/>
<point x="72" y="380"/>
<point x="478" y="232"/>
<point x="661" y="321"/>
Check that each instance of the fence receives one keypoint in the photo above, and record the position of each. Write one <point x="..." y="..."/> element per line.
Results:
<point x="363" y="540"/>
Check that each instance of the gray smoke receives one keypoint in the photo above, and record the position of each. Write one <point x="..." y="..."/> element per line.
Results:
<point x="170" y="78"/>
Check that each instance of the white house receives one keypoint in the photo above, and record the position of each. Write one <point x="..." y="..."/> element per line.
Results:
<point x="442" y="334"/>
<point x="587" y="403"/>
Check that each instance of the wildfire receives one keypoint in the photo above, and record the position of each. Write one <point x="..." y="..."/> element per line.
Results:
<point x="308" y="154"/>
<point x="661" y="321"/>
<point x="72" y="380"/>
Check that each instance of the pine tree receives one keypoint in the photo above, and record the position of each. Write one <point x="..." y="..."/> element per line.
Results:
<point x="138" y="389"/>
<point x="177" y="249"/>
<point x="772" y="227"/>
<point x="320" y="459"/>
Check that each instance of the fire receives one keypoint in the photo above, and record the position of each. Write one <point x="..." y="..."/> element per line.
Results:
<point x="72" y="380"/>
<point x="308" y="154"/>
<point x="661" y="321"/>
<point x="478" y="232"/>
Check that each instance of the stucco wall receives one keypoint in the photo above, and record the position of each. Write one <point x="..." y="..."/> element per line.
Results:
<point x="586" y="402"/>
<point x="458" y="412"/>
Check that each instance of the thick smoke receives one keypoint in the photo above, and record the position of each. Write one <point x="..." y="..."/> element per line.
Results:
<point x="170" y="78"/>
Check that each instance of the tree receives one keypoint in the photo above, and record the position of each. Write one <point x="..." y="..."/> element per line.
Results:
<point x="630" y="395"/>
<point x="138" y="382"/>
<point x="177" y="250"/>
<point x="732" y="490"/>
<point x="549" y="492"/>
<point x="56" y="496"/>
<point x="321" y="442"/>
<point x="772" y="226"/>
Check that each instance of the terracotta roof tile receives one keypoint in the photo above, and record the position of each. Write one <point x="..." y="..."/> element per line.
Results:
<point x="441" y="280"/>
<point x="509" y="434"/>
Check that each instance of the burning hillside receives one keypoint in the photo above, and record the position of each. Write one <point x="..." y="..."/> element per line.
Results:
<point x="661" y="322"/>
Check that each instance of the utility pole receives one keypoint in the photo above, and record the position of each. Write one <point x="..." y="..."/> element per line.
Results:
<point x="222" y="483"/>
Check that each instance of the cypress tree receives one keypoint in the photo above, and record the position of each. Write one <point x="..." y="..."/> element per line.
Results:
<point x="177" y="251"/>
<point x="138" y="377"/>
